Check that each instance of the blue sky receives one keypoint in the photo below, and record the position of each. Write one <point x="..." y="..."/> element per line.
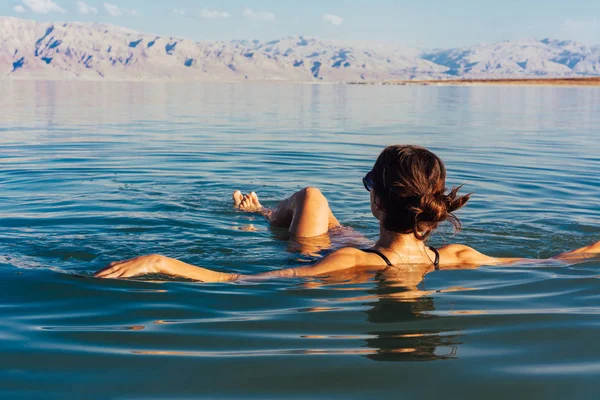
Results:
<point x="425" y="23"/>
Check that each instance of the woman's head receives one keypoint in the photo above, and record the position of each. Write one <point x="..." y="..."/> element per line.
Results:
<point x="409" y="187"/>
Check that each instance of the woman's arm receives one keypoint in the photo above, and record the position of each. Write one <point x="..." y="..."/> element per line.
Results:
<point x="582" y="253"/>
<point x="345" y="258"/>
<point x="461" y="256"/>
<point x="156" y="264"/>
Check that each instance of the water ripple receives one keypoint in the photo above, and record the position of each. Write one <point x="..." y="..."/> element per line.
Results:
<point x="93" y="173"/>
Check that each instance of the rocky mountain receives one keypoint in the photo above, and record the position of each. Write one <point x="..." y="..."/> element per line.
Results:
<point x="40" y="50"/>
<point x="519" y="59"/>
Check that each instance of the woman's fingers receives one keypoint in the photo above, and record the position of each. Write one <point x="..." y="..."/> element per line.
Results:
<point x="111" y="271"/>
<point x="115" y="274"/>
<point x="121" y="269"/>
<point x="129" y="268"/>
<point x="108" y="268"/>
<point x="105" y="273"/>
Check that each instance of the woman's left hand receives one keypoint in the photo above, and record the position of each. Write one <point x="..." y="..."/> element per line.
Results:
<point x="151" y="264"/>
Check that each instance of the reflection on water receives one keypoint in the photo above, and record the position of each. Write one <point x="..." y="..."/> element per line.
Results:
<point x="91" y="173"/>
<point x="394" y="306"/>
<point x="394" y="311"/>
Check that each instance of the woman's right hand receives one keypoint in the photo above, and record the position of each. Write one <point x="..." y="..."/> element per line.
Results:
<point x="152" y="264"/>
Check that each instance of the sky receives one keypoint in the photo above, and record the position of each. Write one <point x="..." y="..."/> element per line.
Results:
<point x="424" y="23"/>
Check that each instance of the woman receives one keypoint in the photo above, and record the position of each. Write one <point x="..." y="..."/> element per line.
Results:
<point x="407" y="186"/>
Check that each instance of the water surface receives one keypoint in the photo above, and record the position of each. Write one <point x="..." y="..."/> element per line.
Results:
<point x="91" y="173"/>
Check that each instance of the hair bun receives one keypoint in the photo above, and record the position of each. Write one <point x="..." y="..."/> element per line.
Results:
<point x="433" y="208"/>
<point x="409" y="185"/>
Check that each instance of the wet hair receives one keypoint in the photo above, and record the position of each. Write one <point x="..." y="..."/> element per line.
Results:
<point x="409" y="184"/>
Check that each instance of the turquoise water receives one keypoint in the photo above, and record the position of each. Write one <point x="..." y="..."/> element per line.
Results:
<point x="92" y="173"/>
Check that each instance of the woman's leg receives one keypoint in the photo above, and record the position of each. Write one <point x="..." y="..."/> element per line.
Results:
<point x="305" y="213"/>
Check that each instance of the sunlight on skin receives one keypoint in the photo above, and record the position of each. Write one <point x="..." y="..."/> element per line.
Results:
<point x="310" y="221"/>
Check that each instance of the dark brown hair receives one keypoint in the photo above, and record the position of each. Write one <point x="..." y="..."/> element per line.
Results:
<point x="410" y="187"/>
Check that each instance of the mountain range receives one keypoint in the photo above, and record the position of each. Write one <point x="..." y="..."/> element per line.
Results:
<point x="42" y="50"/>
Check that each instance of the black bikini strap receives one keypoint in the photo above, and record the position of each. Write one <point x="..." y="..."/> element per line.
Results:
<point x="384" y="258"/>
<point x="436" y="263"/>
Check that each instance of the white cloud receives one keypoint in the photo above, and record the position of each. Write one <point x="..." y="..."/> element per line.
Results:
<point x="83" y="8"/>
<point x="583" y="31"/>
<point x="113" y="10"/>
<point x="19" y="9"/>
<point x="213" y="14"/>
<point x="116" y="11"/>
<point x="334" y="19"/>
<point x="259" y="15"/>
<point x="179" y="11"/>
<point x="41" y="6"/>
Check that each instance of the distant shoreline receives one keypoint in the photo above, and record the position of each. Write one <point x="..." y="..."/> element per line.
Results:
<point x="593" y="81"/>
<point x="564" y="82"/>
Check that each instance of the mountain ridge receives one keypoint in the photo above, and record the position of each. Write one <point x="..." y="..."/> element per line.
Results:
<point x="93" y="51"/>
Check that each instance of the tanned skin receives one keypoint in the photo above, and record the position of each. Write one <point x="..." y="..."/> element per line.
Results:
<point x="307" y="215"/>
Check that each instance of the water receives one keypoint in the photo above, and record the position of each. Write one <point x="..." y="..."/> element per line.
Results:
<point x="92" y="173"/>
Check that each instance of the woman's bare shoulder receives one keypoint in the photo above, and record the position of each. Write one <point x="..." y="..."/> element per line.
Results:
<point x="344" y="258"/>
<point x="347" y="251"/>
<point x="354" y="257"/>
<point x="453" y="255"/>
